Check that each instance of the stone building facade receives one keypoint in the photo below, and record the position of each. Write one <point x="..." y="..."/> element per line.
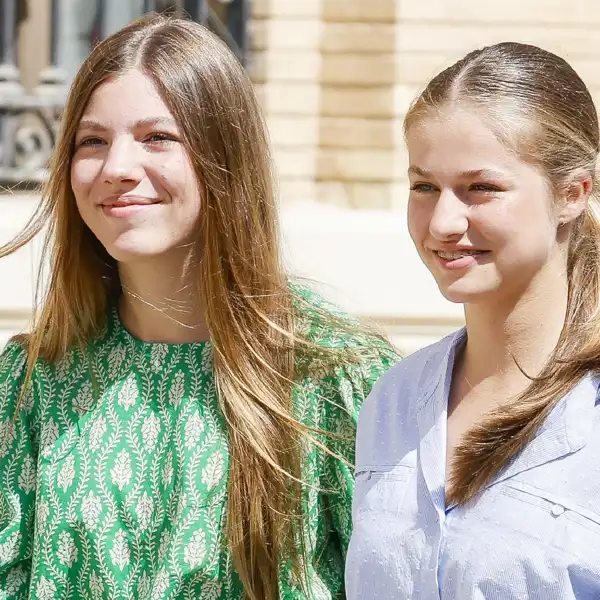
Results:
<point x="335" y="78"/>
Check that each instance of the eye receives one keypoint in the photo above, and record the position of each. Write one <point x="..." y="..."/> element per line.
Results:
<point x="485" y="188"/>
<point x="159" y="137"/>
<point x="422" y="188"/>
<point x="90" y="141"/>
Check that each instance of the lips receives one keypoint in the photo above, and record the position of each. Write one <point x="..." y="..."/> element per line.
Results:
<point x="456" y="254"/>
<point x="124" y="201"/>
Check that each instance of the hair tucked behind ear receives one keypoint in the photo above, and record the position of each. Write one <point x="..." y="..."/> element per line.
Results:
<point x="539" y="106"/>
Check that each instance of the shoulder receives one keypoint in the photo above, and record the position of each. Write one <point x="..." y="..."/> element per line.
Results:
<point x="389" y="413"/>
<point x="13" y="368"/>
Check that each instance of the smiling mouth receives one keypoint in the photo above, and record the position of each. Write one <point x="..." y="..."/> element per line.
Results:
<point x="459" y="254"/>
<point x="124" y="203"/>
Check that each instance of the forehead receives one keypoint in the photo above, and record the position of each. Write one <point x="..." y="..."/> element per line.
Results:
<point x="131" y="94"/>
<point x="457" y="139"/>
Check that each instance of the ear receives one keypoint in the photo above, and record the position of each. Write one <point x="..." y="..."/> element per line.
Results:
<point x="574" y="198"/>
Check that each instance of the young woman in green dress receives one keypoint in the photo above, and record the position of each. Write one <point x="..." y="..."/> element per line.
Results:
<point x="179" y="421"/>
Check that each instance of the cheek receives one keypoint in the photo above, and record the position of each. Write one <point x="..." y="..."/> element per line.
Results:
<point x="418" y="217"/>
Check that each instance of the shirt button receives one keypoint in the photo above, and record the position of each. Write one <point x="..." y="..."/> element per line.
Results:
<point x="557" y="510"/>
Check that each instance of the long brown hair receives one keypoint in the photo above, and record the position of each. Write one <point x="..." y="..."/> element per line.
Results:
<point x="250" y="309"/>
<point x="539" y="106"/>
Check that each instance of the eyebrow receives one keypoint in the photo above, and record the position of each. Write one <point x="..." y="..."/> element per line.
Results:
<point x="148" y="122"/>
<point x="482" y="173"/>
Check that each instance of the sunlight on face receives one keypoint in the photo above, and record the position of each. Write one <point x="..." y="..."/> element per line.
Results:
<point x="134" y="184"/>
<point x="481" y="219"/>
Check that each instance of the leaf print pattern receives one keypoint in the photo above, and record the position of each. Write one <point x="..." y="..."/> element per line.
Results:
<point x="9" y="549"/>
<point x="91" y="507"/>
<point x="144" y="510"/>
<point x="121" y="473"/>
<point x="49" y="437"/>
<point x="7" y="436"/>
<point x="123" y="504"/>
<point x="15" y="580"/>
<point x="195" y="551"/>
<point x="96" y="586"/>
<point x="27" y="475"/>
<point x="129" y="393"/>
<point x="119" y="553"/>
<point x="66" y="551"/>
<point x="46" y="589"/>
<point x="213" y="472"/>
<point x="67" y="473"/>
<point x="158" y="355"/>
<point x="193" y="430"/>
<point x="177" y="390"/>
<point x="150" y="431"/>
<point x="97" y="432"/>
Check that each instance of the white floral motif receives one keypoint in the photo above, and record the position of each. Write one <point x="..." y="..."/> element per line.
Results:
<point x="67" y="473"/>
<point x="41" y="514"/>
<point x="9" y="550"/>
<point x="165" y="540"/>
<point x="49" y="437"/>
<point x="97" y="431"/>
<point x="167" y="473"/>
<point x="150" y="431"/>
<point x="161" y="585"/>
<point x="67" y="551"/>
<point x="27" y="475"/>
<point x="207" y="358"/>
<point x="121" y="473"/>
<point x="119" y="552"/>
<point x="96" y="586"/>
<point x="177" y="389"/>
<point x="115" y="359"/>
<point x="64" y="366"/>
<point x="85" y="399"/>
<point x="7" y="436"/>
<point x="14" y="580"/>
<point x="211" y="590"/>
<point x="193" y="430"/>
<point x="91" y="507"/>
<point x="144" y="586"/>
<point x="129" y="393"/>
<point x="195" y="551"/>
<point x="213" y="471"/>
<point x="158" y="355"/>
<point x="144" y="511"/>
<point x="46" y="589"/>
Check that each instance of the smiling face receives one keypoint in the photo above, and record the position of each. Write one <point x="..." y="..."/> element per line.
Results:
<point x="483" y="221"/>
<point x="133" y="182"/>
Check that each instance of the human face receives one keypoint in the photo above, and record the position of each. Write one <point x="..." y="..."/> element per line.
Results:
<point x="482" y="220"/>
<point x="134" y="184"/>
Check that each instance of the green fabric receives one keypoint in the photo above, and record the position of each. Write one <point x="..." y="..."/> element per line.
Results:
<point x="113" y="479"/>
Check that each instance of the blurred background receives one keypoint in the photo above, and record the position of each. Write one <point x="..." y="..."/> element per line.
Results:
<point x="335" y="78"/>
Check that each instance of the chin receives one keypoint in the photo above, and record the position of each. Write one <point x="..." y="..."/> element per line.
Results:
<point x="464" y="294"/>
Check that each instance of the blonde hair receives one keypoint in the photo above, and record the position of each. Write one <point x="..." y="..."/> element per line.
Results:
<point x="539" y="106"/>
<point x="252" y="313"/>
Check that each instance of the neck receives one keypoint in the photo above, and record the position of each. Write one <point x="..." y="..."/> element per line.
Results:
<point x="505" y="337"/>
<point x="160" y="303"/>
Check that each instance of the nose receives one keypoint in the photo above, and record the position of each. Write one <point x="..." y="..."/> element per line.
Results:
<point x="122" y="163"/>
<point x="449" y="219"/>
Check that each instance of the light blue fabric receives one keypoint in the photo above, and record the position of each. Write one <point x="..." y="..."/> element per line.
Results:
<point x="534" y="533"/>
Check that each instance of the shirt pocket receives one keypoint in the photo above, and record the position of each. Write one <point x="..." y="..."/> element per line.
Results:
<point x="382" y="489"/>
<point x="557" y="520"/>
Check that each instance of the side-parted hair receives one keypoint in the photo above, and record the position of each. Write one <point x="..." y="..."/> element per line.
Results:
<point x="539" y="107"/>
<point x="253" y="314"/>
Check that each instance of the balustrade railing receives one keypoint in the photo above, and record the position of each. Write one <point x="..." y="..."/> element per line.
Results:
<point x="29" y="119"/>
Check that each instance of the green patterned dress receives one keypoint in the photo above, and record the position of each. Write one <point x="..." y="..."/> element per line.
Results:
<point x="115" y="486"/>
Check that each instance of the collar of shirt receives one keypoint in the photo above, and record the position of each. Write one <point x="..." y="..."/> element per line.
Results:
<point x="566" y="430"/>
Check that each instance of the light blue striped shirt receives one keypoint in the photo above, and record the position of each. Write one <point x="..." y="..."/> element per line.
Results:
<point x="534" y="533"/>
